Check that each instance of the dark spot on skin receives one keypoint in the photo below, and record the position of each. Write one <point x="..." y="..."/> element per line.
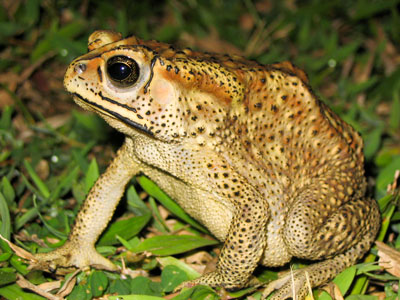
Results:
<point x="100" y="74"/>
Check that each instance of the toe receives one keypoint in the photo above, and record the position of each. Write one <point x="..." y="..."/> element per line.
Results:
<point x="68" y="257"/>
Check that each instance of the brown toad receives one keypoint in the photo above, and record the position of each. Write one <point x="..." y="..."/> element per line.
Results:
<point x="246" y="149"/>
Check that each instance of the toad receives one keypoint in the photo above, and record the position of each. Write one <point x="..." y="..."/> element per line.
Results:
<point x="246" y="149"/>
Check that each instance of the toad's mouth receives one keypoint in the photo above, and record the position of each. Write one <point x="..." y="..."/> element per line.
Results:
<point x="112" y="114"/>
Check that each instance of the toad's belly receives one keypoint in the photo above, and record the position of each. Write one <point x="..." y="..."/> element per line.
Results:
<point x="213" y="213"/>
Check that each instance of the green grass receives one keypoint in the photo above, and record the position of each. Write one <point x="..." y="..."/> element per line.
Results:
<point x="51" y="152"/>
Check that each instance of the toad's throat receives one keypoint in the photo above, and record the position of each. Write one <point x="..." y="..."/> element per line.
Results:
<point x="101" y="109"/>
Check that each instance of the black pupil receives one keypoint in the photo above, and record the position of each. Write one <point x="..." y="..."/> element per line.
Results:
<point x="123" y="71"/>
<point x="119" y="71"/>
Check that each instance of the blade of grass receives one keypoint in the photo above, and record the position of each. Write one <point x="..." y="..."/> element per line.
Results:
<point x="54" y="231"/>
<point x="125" y="228"/>
<point x="25" y="112"/>
<point x="169" y="260"/>
<point x="14" y="292"/>
<point x="26" y="217"/>
<point x="5" y="120"/>
<point x="66" y="181"/>
<point x="361" y="283"/>
<point x="135" y="297"/>
<point x="394" y="119"/>
<point x="162" y="226"/>
<point x="36" y="179"/>
<point x="165" y="245"/>
<point x="91" y="175"/>
<point x="5" y="229"/>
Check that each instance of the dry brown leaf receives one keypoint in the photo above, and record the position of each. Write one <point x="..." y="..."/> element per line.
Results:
<point x="50" y="286"/>
<point x="389" y="258"/>
<point x="201" y="262"/>
<point x="246" y="22"/>
<point x="134" y="273"/>
<point x="201" y="258"/>
<point x="380" y="295"/>
<point x="24" y="237"/>
<point x="390" y="56"/>
<point x="333" y="290"/>
<point x="66" y="289"/>
<point x="33" y="67"/>
<point x="164" y="213"/>
<point x="133" y="257"/>
<point x="10" y="80"/>
<point x="55" y="122"/>
<point x="43" y="169"/>
<point x="25" y="284"/>
<point x="18" y="250"/>
<point x="362" y="71"/>
<point x="52" y="240"/>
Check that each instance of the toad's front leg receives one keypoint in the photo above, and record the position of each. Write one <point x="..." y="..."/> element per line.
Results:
<point x="92" y="219"/>
<point x="244" y="243"/>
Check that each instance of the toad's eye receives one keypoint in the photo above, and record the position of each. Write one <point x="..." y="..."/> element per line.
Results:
<point x="123" y="71"/>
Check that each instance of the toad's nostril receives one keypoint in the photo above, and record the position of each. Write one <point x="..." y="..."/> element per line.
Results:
<point x="80" y="68"/>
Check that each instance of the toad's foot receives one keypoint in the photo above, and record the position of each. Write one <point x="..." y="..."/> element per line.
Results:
<point x="213" y="279"/>
<point x="71" y="256"/>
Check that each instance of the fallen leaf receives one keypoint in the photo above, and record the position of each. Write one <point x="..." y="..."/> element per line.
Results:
<point x="389" y="258"/>
<point x="333" y="290"/>
<point x="50" y="285"/>
<point x="66" y="289"/>
<point x="380" y="295"/>
<point x="25" y="284"/>
<point x="18" y="250"/>
<point x="10" y="81"/>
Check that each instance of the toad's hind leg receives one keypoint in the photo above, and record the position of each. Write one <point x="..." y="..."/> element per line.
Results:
<point x="337" y="236"/>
